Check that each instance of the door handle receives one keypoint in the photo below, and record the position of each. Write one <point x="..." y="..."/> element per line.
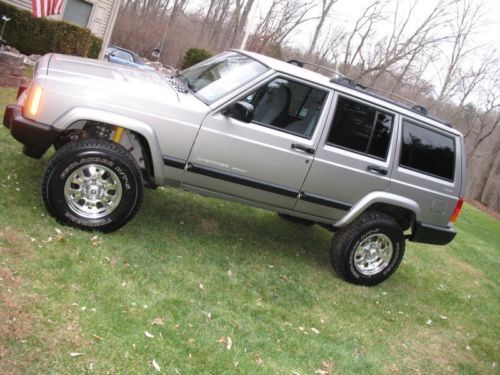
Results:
<point x="302" y="148"/>
<point x="375" y="169"/>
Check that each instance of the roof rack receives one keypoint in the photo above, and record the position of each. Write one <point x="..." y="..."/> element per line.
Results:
<point x="346" y="81"/>
<point x="414" y="107"/>
<point x="301" y="64"/>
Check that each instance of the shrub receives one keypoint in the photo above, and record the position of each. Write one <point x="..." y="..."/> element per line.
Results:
<point x="194" y="56"/>
<point x="41" y="35"/>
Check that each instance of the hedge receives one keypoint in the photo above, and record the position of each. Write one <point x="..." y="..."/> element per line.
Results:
<point x="194" y="56"/>
<point x="38" y="36"/>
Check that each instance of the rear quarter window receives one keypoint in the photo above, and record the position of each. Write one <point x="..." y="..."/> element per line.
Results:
<point x="427" y="151"/>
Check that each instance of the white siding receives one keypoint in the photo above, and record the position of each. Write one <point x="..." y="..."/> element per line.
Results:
<point x="99" y="18"/>
<point x="23" y="4"/>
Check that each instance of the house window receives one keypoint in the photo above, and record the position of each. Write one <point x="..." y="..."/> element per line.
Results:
<point x="78" y="12"/>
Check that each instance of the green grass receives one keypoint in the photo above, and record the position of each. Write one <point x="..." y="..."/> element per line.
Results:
<point x="212" y="269"/>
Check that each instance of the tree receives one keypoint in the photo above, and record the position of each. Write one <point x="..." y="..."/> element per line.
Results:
<point x="283" y="17"/>
<point x="326" y="7"/>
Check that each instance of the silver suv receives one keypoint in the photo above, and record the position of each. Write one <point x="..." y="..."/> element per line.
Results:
<point x="249" y="128"/>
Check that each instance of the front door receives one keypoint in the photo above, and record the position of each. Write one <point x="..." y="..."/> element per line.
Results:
<point x="266" y="160"/>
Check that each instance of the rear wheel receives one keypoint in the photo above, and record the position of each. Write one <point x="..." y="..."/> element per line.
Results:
<point x="369" y="250"/>
<point x="93" y="184"/>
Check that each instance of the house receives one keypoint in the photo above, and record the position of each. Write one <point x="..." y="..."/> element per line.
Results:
<point x="97" y="15"/>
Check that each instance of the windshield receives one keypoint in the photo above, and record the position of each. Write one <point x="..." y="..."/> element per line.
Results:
<point x="211" y="79"/>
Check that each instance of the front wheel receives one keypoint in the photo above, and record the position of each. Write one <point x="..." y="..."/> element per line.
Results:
<point x="92" y="184"/>
<point x="369" y="250"/>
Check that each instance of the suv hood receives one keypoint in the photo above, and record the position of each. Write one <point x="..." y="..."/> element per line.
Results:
<point x="117" y="88"/>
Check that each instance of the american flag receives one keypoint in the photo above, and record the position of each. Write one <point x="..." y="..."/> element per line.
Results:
<point x="44" y="8"/>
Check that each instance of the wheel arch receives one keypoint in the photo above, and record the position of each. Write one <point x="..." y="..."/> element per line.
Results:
<point x="404" y="210"/>
<point x="76" y="118"/>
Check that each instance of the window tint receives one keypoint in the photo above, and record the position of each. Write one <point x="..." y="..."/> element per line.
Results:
<point x="361" y="128"/>
<point x="427" y="151"/>
<point x="287" y="105"/>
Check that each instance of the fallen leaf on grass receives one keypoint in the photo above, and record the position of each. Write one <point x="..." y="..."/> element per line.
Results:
<point x="75" y="354"/>
<point x="98" y="338"/>
<point x="227" y="341"/>
<point x="59" y="236"/>
<point x="157" y="322"/>
<point x="327" y="367"/>
<point x="258" y="360"/>
<point x="148" y="335"/>
<point x="156" y="365"/>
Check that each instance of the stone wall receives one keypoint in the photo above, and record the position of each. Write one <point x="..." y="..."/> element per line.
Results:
<point x="11" y="69"/>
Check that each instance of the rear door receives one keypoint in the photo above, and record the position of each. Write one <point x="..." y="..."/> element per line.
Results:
<point x="266" y="160"/>
<point x="353" y="158"/>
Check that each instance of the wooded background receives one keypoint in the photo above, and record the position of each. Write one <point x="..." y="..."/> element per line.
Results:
<point x="436" y="60"/>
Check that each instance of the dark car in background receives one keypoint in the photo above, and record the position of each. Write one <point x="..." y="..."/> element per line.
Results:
<point x="124" y="56"/>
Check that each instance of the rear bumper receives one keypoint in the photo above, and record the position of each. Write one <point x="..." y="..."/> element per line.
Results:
<point x="432" y="234"/>
<point x="36" y="137"/>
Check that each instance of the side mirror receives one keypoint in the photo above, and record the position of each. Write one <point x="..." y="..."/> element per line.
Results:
<point x="241" y="110"/>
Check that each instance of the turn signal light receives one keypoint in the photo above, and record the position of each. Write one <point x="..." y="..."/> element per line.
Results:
<point x="33" y="102"/>
<point x="456" y="211"/>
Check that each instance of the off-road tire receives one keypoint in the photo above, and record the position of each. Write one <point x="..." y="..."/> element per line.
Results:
<point x="296" y="220"/>
<point x="99" y="152"/>
<point x="346" y="241"/>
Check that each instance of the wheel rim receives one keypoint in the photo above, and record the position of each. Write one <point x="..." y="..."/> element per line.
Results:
<point x="93" y="191"/>
<point x="373" y="254"/>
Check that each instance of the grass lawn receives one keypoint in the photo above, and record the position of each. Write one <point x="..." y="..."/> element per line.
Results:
<point x="222" y="288"/>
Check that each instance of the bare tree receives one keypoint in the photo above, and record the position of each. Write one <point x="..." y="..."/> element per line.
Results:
<point x="360" y="33"/>
<point x="468" y="16"/>
<point x="283" y="17"/>
<point x="240" y="18"/>
<point x="326" y="7"/>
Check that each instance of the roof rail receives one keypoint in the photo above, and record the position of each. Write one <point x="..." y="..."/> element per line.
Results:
<point x="343" y="80"/>
<point x="301" y="64"/>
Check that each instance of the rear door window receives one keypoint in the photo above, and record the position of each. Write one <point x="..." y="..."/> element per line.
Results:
<point x="361" y="128"/>
<point x="427" y="151"/>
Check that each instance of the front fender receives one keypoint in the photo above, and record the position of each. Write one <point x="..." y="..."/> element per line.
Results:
<point x="76" y="114"/>
<point x="378" y="197"/>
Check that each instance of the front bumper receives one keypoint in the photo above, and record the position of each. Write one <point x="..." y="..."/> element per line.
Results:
<point x="35" y="136"/>
<point x="432" y="234"/>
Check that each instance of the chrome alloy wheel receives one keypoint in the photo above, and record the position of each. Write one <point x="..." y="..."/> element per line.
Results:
<point x="93" y="191"/>
<point x="373" y="254"/>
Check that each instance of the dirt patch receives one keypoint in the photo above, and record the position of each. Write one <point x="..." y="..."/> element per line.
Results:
<point x="209" y="226"/>
<point x="483" y="208"/>
<point x="427" y="345"/>
<point x="16" y="244"/>
<point x="466" y="268"/>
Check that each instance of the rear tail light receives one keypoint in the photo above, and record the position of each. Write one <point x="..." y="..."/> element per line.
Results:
<point x="456" y="211"/>
<point x="32" y="105"/>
